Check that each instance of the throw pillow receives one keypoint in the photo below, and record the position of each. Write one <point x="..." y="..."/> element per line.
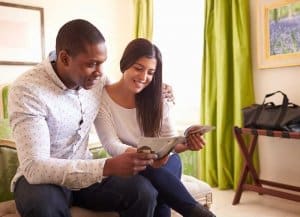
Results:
<point x="8" y="166"/>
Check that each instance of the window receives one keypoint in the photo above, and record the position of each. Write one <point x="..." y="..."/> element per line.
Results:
<point x="178" y="32"/>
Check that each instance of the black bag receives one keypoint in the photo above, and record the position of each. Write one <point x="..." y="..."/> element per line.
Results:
<point x="285" y="117"/>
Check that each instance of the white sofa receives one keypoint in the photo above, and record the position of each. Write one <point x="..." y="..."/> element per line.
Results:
<point x="200" y="190"/>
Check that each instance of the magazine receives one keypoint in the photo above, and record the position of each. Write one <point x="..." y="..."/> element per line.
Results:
<point x="164" y="145"/>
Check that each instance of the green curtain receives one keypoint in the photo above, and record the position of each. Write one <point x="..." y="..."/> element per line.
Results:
<point x="227" y="87"/>
<point x="143" y="23"/>
<point x="143" y="11"/>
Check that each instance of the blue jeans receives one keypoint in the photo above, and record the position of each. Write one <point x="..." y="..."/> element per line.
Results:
<point x="130" y="197"/>
<point x="171" y="192"/>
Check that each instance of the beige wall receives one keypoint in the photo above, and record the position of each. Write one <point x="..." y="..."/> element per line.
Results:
<point x="112" y="17"/>
<point x="279" y="158"/>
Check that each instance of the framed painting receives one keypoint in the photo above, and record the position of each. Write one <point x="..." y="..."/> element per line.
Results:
<point x="278" y="33"/>
<point x="22" y="34"/>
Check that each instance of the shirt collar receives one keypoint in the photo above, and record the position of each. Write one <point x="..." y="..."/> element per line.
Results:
<point x="52" y="59"/>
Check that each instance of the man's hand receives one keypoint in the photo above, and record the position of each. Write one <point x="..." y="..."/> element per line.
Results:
<point x="128" y="163"/>
<point x="167" y="93"/>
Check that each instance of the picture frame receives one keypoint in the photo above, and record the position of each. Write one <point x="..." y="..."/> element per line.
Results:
<point x="278" y="33"/>
<point x="22" y="34"/>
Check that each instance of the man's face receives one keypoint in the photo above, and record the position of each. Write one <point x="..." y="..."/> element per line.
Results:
<point x="85" y="69"/>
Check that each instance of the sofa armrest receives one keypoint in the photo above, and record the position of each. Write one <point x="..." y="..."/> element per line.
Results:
<point x="7" y="143"/>
<point x="201" y="191"/>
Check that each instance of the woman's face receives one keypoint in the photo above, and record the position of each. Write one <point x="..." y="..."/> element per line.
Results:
<point x="140" y="74"/>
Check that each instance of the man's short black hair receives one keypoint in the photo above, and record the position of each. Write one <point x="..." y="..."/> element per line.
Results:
<point x="75" y="35"/>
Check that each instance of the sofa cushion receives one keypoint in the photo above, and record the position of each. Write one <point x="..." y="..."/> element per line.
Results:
<point x="8" y="167"/>
<point x="198" y="187"/>
<point x="8" y="209"/>
<point x="200" y="190"/>
<point x="79" y="212"/>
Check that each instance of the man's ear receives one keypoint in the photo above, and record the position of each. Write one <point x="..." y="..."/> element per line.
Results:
<point x="63" y="57"/>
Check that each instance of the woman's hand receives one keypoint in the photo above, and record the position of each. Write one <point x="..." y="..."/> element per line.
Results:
<point x="160" y="162"/>
<point x="167" y="93"/>
<point x="195" y="142"/>
<point x="127" y="164"/>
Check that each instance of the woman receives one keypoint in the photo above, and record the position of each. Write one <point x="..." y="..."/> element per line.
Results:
<point x="133" y="107"/>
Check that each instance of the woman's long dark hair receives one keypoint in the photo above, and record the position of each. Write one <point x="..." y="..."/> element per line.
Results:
<point x="149" y="104"/>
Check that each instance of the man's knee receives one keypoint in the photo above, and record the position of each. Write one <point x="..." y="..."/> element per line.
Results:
<point x="48" y="210"/>
<point x="145" y="189"/>
<point x="141" y="191"/>
<point x="42" y="207"/>
<point x="41" y="200"/>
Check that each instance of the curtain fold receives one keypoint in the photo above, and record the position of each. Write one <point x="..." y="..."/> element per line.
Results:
<point x="143" y="19"/>
<point x="227" y="87"/>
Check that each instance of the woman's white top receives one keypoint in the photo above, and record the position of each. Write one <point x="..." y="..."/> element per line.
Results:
<point x="118" y="128"/>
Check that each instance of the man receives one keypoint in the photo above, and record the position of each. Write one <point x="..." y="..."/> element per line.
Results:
<point x="52" y="108"/>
